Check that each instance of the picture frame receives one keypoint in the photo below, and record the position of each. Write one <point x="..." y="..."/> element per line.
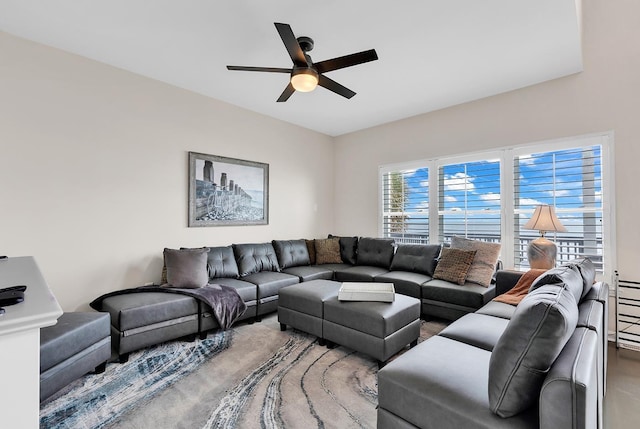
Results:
<point x="227" y="191"/>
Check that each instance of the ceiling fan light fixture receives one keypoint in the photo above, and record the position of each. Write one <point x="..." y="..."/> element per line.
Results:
<point x="304" y="80"/>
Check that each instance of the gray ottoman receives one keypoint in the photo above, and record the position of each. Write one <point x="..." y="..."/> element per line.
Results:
<point x="301" y="306"/>
<point x="378" y="329"/>
<point x="77" y="344"/>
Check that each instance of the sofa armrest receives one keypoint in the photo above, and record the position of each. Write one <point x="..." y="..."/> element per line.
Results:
<point x="506" y="280"/>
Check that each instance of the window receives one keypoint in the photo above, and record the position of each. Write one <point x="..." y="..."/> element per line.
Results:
<point x="469" y="201"/>
<point x="405" y="196"/>
<point x="571" y="181"/>
<point x="490" y="196"/>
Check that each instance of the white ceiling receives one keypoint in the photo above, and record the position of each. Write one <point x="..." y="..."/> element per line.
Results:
<point x="432" y="53"/>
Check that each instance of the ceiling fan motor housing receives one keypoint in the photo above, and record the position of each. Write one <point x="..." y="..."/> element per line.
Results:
<point x="306" y="43"/>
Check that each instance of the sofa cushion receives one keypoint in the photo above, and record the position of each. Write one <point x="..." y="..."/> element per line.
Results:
<point x="469" y="295"/>
<point x="310" y="272"/>
<point x="566" y="275"/>
<point x="416" y="258"/>
<point x="497" y="309"/>
<point x="484" y="263"/>
<point x="359" y="273"/>
<point x="186" y="268"/>
<point x="540" y="327"/>
<point x="404" y="282"/>
<point x="478" y="330"/>
<point x="328" y="251"/>
<point x="255" y="257"/>
<point x="291" y="253"/>
<point x="454" y="265"/>
<point x="375" y="252"/>
<point x="348" y="248"/>
<point x="442" y="383"/>
<point x="222" y="263"/>
<point x="269" y="282"/>
<point x="311" y="249"/>
<point x="247" y="291"/>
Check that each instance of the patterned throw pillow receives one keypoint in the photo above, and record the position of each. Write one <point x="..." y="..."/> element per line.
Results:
<point x="454" y="265"/>
<point x="484" y="264"/>
<point x="328" y="251"/>
<point x="311" y="248"/>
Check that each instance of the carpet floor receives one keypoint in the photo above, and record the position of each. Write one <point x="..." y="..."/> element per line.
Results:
<point x="252" y="376"/>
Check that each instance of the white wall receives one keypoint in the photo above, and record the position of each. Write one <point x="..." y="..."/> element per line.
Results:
<point x="93" y="170"/>
<point x="606" y="96"/>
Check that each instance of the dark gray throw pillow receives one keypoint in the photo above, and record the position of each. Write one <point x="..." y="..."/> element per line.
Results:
<point x="536" y="334"/>
<point x="186" y="268"/>
<point x="348" y="248"/>
<point x="291" y="253"/>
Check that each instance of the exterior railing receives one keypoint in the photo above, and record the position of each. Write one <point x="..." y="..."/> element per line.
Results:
<point x="568" y="248"/>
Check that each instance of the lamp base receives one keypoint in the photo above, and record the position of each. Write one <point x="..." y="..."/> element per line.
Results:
<point x="542" y="254"/>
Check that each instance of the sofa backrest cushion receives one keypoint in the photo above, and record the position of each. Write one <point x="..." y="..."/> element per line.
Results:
<point x="255" y="257"/>
<point x="186" y="268"/>
<point x="566" y="275"/>
<point x="588" y="272"/>
<point x="376" y="252"/>
<point x="417" y="258"/>
<point x="222" y="263"/>
<point x="348" y="249"/>
<point x="484" y="264"/>
<point x="291" y="253"/>
<point x="538" y="330"/>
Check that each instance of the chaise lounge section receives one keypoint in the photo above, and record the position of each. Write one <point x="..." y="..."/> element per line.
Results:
<point x="537" y="365"/>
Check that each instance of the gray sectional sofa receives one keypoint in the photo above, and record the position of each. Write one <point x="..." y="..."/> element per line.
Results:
<point x="259" y="270"/>
<point x="538" y="365"/>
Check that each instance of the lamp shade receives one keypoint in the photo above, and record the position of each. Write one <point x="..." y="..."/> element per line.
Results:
<point x="544" y="219"/>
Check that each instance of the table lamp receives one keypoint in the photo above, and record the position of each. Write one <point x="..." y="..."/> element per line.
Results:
<point x="542" y="252"/>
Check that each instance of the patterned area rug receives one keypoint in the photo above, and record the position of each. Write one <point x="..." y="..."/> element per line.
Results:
<point x="250" y="376"/>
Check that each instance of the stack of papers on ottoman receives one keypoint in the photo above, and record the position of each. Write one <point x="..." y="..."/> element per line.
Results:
<point x="355" y="291"/>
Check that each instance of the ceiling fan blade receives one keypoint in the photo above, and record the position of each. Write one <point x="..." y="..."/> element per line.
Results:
<point x="286" y="93"/>
<point x="346" y="61"/>
<point x="334" y="86"/>
<point x="292" y="45"/>
<point x="260" y="69"/>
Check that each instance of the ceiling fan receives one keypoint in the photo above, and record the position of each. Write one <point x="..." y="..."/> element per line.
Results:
<point x="305" y="74"/>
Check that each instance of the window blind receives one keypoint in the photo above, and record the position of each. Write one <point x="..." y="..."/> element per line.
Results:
<point x="405" y="201"/>
<point x="469" y="201"/>
<point x="571" y="181"/>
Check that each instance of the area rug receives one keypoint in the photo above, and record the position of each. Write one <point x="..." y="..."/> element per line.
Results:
<point x="248" y="377"/>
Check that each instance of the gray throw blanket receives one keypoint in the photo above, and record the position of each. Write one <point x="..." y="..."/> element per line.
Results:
<point x="224" y="301"/>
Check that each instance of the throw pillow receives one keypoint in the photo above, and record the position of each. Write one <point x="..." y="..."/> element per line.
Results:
<point x="484" y="264"/>
<point x="417" y="258"/>
<point x="186" y="268"/>
<point x="536" y="334"/>
<point x="311" y="248"/>
<point x="454" y="265"/>
<point x="328" y="251"/>
<point x="348" y="248"/>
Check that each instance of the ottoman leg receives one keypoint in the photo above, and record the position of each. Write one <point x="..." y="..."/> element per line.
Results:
<point x="413" y="343"/>
<point x="381" y="364"/>
<point x="203" y="335"/>
<point x="330" y="344"/>
<point x="100" y="368"/>
<point x="322" y="342"/>
<point x="283" y="327"/>
<point x="123" y="358"/>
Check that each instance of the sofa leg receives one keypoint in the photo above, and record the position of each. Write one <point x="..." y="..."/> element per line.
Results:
<point x="251" y="320"/>
<point x="100" y="368"/>
<point x="413" y="343"/>
<point x="330" y="344"/>
<point x="322" y="342"/>
<point x="123" y="358"/>
<point x="258" y="318"/>
<point x="381" y="364"/>
<point x="189" y="338"/>
<point x="283" y="327"/>
<point x="203" y="335"/>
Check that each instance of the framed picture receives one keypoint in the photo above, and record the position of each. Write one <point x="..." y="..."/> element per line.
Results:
<point x="227" y="191"/>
